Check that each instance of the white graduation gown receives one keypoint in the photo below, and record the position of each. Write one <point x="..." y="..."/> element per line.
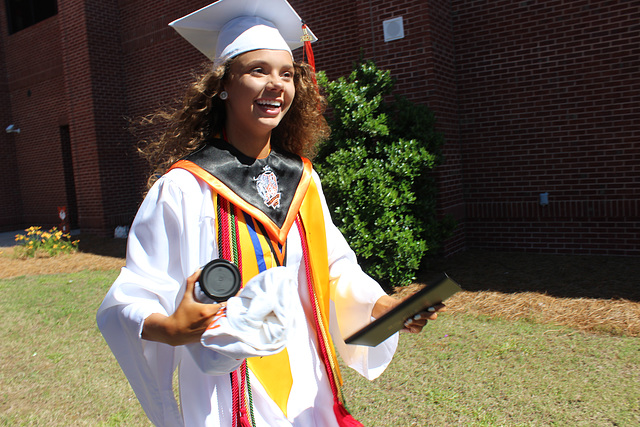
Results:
<point x="171" y="237"/>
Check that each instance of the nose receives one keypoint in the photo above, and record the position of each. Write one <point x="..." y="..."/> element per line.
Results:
<point x="275" y="83"/>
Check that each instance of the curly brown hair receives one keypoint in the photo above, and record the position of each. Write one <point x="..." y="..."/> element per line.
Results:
<point x="201" y="115"/>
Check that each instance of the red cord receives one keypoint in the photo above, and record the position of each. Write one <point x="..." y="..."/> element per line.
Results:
<point x="323" y="350"/>
<point x="224" y="229"/>
<point x="343" y="417"/>
<point x="234" y="397"/>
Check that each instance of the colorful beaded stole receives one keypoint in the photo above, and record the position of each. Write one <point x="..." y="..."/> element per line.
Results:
<point x="229" y="249"/>
<point x="326" y="349"/>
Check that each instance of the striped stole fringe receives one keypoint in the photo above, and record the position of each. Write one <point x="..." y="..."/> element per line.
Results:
<point x="326" y="349"/>
<point x="229" y="249"/>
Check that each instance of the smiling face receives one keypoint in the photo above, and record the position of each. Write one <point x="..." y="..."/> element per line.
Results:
<point x="261" y="89"/>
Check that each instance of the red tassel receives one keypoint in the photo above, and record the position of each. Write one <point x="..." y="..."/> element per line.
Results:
<point x="244" y="421"/>
<point x="344" y="418"/>
<point x="311" y="60"/>
<point x="306" y="38"/>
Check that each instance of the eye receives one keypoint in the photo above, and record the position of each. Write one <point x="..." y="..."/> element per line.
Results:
<point x="287" y="75"/>
<point x="257" y="70"/>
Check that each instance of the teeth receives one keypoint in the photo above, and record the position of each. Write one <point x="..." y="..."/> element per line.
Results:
<point x="269" y="103"/>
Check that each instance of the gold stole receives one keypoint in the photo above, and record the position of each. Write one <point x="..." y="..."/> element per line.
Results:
<point x="274" y="372"/>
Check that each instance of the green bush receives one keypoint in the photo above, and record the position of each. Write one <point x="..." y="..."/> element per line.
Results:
<point x="376" y="174"/>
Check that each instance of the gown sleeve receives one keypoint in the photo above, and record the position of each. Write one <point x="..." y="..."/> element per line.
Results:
<point x="353" y="295"/>
<point x="170" y="238"/>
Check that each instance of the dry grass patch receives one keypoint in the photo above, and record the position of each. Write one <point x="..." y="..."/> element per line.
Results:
<point x="95" y="254"/>
<point x="71" y="263"/>
<point x="591" y="293"/>
<point x="618" y="317"/>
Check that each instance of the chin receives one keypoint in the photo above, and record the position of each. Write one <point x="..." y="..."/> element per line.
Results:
<point x="269" y="123"/>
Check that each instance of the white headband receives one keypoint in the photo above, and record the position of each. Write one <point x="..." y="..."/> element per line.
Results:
<point x="245" y="34"/>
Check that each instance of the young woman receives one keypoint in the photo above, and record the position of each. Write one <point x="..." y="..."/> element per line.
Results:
<point x="235" y="185"/>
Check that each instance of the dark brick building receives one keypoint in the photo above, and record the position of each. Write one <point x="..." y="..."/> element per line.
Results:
<point x="533" y="98"/>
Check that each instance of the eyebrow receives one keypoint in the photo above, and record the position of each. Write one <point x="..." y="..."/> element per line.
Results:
<point x="261" y="62"/>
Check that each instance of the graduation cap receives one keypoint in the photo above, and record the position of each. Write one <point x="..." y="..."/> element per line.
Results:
<point x="228" y="28"/>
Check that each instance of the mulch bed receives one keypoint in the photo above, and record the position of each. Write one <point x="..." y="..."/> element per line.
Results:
<point x="95" y="253"/>
<point x="590" y="293"/>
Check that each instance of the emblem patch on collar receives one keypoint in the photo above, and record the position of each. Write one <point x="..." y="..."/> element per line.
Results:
<point x="267" y="186"/>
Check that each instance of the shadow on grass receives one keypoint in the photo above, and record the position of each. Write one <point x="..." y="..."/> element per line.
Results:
<point x="565" y="276"/>
<point x="568" y="276"/>
<point x="104" y="246"/>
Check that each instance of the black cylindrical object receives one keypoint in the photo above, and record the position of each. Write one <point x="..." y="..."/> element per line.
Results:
<point x="219" y="280"/>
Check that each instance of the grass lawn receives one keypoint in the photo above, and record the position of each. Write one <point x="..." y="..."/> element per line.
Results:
<point x="56" y="370"/>
<point x="475" y="371"/>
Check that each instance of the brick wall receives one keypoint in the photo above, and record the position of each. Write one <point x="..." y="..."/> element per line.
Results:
<point x="108" y="93"/>
<point x="337" y="25"/>
<point x="36" y="96"/>
<point x="532" y="97"/>
<point x="96" y="96"/>
<point x="10" y="205"/>
<point x="159" y="63"/>
<point x="422" y="63"/>
<point x="548" y="96"/>
<point x="441" y="96"/>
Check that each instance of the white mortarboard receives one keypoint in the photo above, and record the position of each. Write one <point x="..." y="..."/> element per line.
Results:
<point x="228" y="28"/>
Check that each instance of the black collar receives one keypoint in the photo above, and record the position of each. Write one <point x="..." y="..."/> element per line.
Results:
<point x="268" y="184"/>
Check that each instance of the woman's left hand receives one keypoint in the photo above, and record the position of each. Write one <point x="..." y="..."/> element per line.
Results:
<point x="413" y="325"/>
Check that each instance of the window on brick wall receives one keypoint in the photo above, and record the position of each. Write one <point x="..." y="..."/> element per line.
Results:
<point x="24" y="13"/>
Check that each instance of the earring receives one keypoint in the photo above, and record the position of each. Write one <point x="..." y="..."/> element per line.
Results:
<point x="224" y="95"/>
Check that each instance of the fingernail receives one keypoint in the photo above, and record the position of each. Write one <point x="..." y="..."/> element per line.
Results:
<point x="417" y="317"/>
<point x="431" y="309"/>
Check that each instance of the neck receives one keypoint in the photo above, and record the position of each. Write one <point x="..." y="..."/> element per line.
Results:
<point x="249" y="144"/>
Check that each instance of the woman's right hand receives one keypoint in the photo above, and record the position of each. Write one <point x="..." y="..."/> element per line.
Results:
<point x="187" y="324"/>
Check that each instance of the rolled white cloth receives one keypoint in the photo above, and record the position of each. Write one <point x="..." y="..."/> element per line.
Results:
<point x="255" y="323"/>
